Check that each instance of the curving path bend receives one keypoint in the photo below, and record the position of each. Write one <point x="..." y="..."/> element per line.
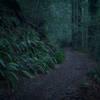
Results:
<point x="59" y="84"/>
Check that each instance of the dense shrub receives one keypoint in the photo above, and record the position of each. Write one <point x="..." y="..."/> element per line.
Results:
<point x="25" y="55"/>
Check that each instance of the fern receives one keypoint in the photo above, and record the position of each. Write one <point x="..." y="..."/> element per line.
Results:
<point x="26" y="55"/>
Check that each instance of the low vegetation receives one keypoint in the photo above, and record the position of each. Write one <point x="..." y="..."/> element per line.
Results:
<point x="22" y="51"/>
<point x="26" y="55"/>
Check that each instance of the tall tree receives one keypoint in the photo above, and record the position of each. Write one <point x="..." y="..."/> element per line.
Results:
<point x="76" y="23"/>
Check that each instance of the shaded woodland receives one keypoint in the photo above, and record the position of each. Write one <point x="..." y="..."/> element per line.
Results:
<point x="33" y="34"/>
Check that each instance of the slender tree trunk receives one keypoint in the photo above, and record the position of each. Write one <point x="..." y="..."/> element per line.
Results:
<point x="76" y="23"/>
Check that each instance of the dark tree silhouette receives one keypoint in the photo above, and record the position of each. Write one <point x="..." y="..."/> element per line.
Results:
<point x="14" y="5"/>
<point x="93" y="6"/>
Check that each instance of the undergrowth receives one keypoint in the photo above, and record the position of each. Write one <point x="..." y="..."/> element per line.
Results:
<point x="22" y="51"/>
<point x="94" y="73"/>
<point x="25" y="54"/>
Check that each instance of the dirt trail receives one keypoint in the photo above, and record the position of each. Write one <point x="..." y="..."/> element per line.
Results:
<point x="59" y="83"/>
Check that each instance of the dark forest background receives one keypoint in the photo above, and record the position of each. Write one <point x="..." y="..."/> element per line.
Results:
<point x="33" y="31"/>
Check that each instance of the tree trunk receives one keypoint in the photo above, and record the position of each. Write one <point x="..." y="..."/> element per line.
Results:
<point x="14" y="5"/>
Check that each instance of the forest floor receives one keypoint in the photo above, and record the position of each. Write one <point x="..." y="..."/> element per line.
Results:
<point x="62" y="83"/>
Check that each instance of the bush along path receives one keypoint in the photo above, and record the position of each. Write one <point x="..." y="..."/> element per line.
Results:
<point x="62" y="83"/>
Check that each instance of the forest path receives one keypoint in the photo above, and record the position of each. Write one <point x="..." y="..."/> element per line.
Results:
<point x="58" y="83"/>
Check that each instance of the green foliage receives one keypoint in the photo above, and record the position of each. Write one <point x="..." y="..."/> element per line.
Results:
<point x="59" y="56"/>
<point x="55" y="15"/>
<point x="95" y="74"/>
<point x="25" y="55"/>
<point x="8" y="72"/>
<point x="58" y="22"/>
